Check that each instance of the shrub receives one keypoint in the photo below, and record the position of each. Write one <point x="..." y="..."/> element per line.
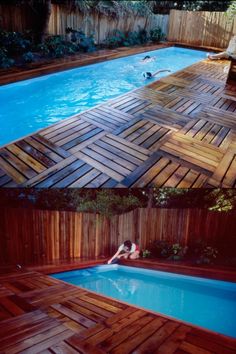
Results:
<point x="84" y="43"/>
<point x="127" y="39"/>
<point x="161" y="249"/>
<point x="143" y="36"/>
<point x="57" y="47"/>
<point x="156" y="35"/>
<point x="177" y="252"/>
<point x="146" y="254"/>
<point x="207" y="255"/>
<point x="28" y="57"/>
<point x="117" y="39"/>
<point x="14" y="42"/>
<point x="5" y="61"/>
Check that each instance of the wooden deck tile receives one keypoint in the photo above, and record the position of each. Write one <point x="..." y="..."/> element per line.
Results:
<point x="56" y="317"/>
<point x="175" y="132"/>
<point x="191" y="150"/>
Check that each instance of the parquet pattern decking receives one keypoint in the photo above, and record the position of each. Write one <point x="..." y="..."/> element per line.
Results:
<point x="180" y="131"/>
<point x="39" y="314"/>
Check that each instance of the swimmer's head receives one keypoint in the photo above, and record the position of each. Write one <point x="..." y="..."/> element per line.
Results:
<point x="147" y="57"/>
<point x="147" y="75"/>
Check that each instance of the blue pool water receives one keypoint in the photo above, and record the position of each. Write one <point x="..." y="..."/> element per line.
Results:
<point x="204" y="302"/>
<point x="30" y="105"/>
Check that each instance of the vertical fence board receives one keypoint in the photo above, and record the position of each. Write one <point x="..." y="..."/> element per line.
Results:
<point x="36" y="236"/>
<point x="201" y="28"/>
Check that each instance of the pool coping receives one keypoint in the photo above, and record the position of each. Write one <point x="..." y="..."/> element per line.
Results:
<point x="63" y="64"/>
<point x="216" y="273"/>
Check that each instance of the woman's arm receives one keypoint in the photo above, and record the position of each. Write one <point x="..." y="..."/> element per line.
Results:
<point x="115" y="255"/>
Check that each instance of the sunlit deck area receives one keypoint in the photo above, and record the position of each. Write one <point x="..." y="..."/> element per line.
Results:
<point x="39" y="314"/>
<point x="177" y="132"/>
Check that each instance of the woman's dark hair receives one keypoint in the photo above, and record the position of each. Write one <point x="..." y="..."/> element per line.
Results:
<point x="128" y="244"/>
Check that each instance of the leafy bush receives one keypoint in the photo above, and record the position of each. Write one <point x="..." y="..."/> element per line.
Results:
<point x="156" y="35"/>
<point x="177" y="252"/>
<point x="28" y="57"/>
<point x="202" y="253"/>
<point x="207" y="255"/>
<point x="14" y="42"/>
<point x="146" y="254"/>
<point x="117" y="39"/>
<point x="143" y="36"/>
<point x="161" y="249"/>
<point x="57" y="47"/>
<point x="126" y="39"/>
<point x="5" y="61"/>
<point x="84" y="43"/>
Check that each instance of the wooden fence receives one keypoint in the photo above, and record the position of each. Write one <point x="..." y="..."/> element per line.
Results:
<point x="17" y="17"/>
<point x="199" y="28"/>
<point x="36" y="236"/>
<point x="102" y="26"/>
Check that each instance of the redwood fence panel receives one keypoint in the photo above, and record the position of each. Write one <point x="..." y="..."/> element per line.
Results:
<point x="201" y="28"/>
<point x="102" y="26"/>
<point x="35" y="236"/>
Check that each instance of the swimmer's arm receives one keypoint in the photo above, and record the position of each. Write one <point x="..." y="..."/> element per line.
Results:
<point x="160" y="71"/>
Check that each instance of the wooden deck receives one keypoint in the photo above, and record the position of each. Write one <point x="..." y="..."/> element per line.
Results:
<point x="39" y="314"/>
<point x="177" y="132"/>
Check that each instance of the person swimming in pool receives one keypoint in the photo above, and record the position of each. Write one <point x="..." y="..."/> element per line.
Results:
<point x="126" y="250"/>
<point x="149" y="75"/>
<point x="147" y="59"/>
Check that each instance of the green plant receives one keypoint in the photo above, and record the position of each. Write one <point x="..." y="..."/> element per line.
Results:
<point x="231" y="12"/>
<point x="106" y="203"/>
<point x="146" y="254"/>
<point x="28" y="57"/>
<point x="5" y="61"/>
<point x="161" y="249"/>
<point x="117" y="39"/>
<point x="84" y="43"/>
<point x="156" y="35"/>
<point x="143" y="36"/>
<point x="14" y="42"/>
<point x="56" y="46"/>
<point x="177" y="252"/>
<point x="207" y="255"/>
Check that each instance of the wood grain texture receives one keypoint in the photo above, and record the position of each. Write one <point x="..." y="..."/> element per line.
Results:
<point x="42" y="236"/>
<point x="40" y="314"/>
<point x="179" y="131"/>
<point x="201" y="28"/>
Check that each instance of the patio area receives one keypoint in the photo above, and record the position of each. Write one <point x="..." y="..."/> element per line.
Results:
<point x="177" y="132"/>
<point x="42" y="314"/>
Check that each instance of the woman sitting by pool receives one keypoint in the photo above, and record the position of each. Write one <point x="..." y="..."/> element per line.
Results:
<point x="126" y="250"/>
<point x="149" y="75"/>
<point x="228" y="54"/>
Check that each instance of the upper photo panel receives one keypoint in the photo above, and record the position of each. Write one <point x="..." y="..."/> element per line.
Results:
<point x="127" y="94"/>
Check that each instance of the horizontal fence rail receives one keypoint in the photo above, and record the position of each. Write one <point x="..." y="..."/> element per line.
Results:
<point x="36" y="236"/>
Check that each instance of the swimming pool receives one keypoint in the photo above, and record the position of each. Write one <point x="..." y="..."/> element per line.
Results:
<point x="30" y="105"/>
<point x="204" y="302"/>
